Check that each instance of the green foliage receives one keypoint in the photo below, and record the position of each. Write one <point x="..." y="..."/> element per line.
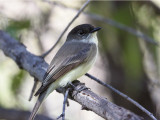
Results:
<point x="14" y="27"/>
<point x="17" y="81"/>
<point x="132" y="58"/>
<point x="123" y="15"/>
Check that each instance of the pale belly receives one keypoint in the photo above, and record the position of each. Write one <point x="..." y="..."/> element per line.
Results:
<point x="71" y="76"/>
<point x="75" y="73"/>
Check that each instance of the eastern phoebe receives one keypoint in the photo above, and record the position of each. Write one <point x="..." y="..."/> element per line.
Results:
<point x="73" y="60"/>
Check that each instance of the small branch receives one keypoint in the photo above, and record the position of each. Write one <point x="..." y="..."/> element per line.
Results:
<point x="122" y="95"/>
<point x="69" y="24"/>
<point x="64" y="105"/>
<point x="37" y="67"/>
<point x="122" y="27"/>
<point x="33" y="89"/>
<point x="12" y="114"/>
<point x="115" y="24"/>
<point x="151" y="70"/>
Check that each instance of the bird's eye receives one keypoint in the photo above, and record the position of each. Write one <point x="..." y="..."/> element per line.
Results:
<point x="81" y="33"/>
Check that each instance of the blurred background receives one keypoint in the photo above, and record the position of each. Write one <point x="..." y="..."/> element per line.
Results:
<point x="127" y="62"/>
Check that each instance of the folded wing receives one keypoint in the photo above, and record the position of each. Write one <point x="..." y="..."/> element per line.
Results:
<point x="64" y="61"/>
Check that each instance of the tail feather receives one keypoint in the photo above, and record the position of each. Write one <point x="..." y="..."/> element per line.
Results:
<point x="41" y="98"/>
<point x="37" y="105"/>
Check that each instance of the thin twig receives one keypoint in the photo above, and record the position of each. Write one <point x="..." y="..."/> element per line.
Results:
<point x="115" y="24"/>
<point x="151" y="68"/>
<point x="122" y="27"/>
<point x="123" y="95"/>
<point x="64" y="105"/>
<point x="33" y="89"/>
<point x="76" y="16"/>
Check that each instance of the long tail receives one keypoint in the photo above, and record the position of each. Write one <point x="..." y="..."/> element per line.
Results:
<point x="41" y="98"/>
<point x="37" y="105"/>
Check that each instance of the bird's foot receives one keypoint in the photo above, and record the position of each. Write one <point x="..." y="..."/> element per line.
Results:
<point x="77" y="88"/>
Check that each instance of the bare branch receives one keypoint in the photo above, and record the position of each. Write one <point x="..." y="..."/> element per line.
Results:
<point x="103" y="107"/>
<point x="37" y="67"/>
<point x="64" y="105"/>
<point x="151" y="70"/>
<point x="69" y="24"/>
<point x="123" y="95"/>
<point x="122" y="27"/>
<point x="33" y="89"/>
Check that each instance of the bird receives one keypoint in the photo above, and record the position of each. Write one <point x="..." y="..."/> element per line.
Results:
<point x="76" y="56"/>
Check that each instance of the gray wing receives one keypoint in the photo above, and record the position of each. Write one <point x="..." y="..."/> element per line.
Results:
<point x="65" y="60"/>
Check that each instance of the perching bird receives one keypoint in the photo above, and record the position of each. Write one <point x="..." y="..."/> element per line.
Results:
<point x="73" y="60"/>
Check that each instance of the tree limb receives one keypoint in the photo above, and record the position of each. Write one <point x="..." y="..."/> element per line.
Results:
<point x="37" y="67"/>
<point x="101" y="106"/>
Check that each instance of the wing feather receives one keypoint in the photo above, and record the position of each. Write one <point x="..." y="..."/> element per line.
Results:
<point x="64" y="61"/>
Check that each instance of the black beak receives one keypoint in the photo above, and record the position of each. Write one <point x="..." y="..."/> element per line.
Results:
<point x="95" y="29"/>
